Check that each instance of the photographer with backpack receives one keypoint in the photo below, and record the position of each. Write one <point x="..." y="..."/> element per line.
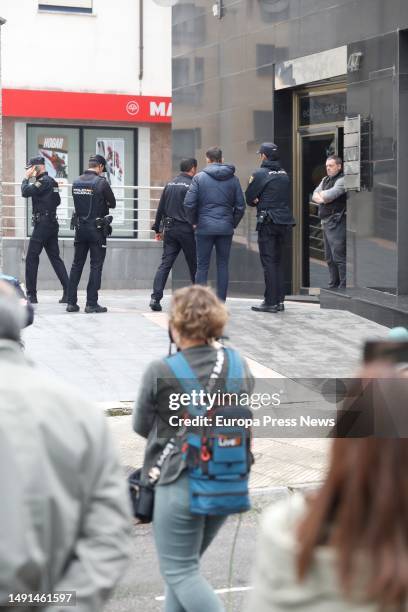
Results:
<point x="201" y="475"/>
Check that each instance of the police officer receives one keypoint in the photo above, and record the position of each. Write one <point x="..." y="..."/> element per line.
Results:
<point x="45" y="198"/>
<point x="93" y="198"/>
<point x="178" y="232"/>
<point x="268" y="190"/>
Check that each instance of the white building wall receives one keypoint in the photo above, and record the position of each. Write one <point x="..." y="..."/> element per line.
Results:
<point x="96" y="53"/>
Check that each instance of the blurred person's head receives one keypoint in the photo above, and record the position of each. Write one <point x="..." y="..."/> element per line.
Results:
<point x="12" y="313"/>
<point x="361" y="509"/>
<point x="334" y="164"/>
<point x="196" y="316"/>
<point x="214" y="155"/>
<point x="189" y="166"/>
<point x="400" y="334"/>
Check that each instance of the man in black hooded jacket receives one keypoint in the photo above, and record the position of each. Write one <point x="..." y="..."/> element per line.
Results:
<point x="268" y="190"/>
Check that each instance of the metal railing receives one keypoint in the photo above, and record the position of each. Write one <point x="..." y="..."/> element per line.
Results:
<point x="132" y="218"/>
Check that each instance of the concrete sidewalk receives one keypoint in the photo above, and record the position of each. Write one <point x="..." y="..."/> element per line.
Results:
<point x="105" y="355"/>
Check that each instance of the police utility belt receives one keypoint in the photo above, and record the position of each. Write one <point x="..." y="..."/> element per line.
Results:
<point x="36" y="217"/>
<point x="103" y="224"/>
<point x="264" y="217"/>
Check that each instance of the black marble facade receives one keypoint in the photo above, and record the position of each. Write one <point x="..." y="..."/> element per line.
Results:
<point x="223" y="93"/>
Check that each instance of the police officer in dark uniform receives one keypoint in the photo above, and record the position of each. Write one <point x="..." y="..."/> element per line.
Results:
<point x="269" y="191"/>
<point x="93" y="198"/>
<point x="45" y="198"/>
<point x="178" y="232"/>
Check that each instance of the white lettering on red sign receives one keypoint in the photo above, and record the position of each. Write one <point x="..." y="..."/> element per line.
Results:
<point x="132" y="107"/>
<point x="160" y="109"/>
<point x="53" y="143"/>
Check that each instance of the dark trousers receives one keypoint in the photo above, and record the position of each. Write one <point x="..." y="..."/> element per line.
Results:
<point x="45" y="235"/>
<point x="87" y="238"/>
<point x="205" y="244"/>
<point x="180" y="237"/>
<point x="334" y="233"/>
<point x="271" y="239"/>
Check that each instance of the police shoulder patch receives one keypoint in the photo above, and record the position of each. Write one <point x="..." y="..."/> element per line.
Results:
<point x="37" y="184"/>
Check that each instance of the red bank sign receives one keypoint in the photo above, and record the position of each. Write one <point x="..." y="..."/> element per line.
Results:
<point x="86" y="106"/>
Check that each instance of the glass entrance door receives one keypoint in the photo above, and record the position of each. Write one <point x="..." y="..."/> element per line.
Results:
<point x="319" y="114"/>
<point x="314" y="150"/>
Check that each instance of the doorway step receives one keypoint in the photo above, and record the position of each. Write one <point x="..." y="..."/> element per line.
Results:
<point x="378" y="306"/>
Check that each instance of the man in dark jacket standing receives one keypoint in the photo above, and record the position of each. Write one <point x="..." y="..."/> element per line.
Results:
<point x="332" y="199"/>
<point x="215" y="205"/>
<point x="268" y="190"/>
<point x="178" y="233"/>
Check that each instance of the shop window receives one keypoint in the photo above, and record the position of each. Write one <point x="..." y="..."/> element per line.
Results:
<point x="70" y="6"/>
<point x="66" y="151"/>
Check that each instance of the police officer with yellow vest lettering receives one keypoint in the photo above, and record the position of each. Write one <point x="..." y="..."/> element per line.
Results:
<point x="269" y="191"/>
<point x="93" y="198"/>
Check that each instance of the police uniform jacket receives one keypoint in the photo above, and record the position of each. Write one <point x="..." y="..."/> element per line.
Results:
<point x="64" y="511"/>
<point x="270" y="184"/>
<point x="92" y="196"/>
<point x="44" y="193"/>
<point x="172" y="199"/>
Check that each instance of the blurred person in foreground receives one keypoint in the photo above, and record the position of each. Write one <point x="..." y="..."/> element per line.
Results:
<point x="345" y="547"/>
<point x="64" y="512"/>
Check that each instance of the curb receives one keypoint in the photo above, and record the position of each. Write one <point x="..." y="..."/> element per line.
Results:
<point x="121" y="408"/>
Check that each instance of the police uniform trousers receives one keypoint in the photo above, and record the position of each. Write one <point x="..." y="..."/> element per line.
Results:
<point x="334" y="234"/>
<point x="87" y="238"/>
<point x="179" y="237"/>
<point x="271" y="240"/>
<point x="45" y="235"/>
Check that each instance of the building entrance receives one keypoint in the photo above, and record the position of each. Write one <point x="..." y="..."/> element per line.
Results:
<point x="319" y="133"/>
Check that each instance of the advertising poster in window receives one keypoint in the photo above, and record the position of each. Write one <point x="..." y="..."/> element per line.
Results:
<point x="113" y="150"/>
<point x="54" y="149"/>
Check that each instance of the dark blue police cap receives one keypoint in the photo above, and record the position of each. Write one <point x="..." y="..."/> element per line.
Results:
<point x="269" y="149"/>
<point x="35" y="161"/>
<point x="99" y="159"/>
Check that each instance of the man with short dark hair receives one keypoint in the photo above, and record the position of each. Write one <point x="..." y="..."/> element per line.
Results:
<point x="177" y="231"/>
<point x="332" y="199"/>
<point x="45" y="196"/>
<point x="64" y="513"/>
<point x="93" y="198"/>
<point x="269" y="190"/>
<point x="215" y="205"/>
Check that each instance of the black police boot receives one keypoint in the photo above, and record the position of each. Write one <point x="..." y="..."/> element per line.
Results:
<point x="32" y="298"/>
<point x="95" y="309"/>
<point x="155" y="305"/>
<point x="72" y="308"/>
<point x="64" y="299"/>
<point x="266" y="308"/>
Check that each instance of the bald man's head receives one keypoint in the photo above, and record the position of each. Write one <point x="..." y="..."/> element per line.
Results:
<point x="12" y="313"/>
